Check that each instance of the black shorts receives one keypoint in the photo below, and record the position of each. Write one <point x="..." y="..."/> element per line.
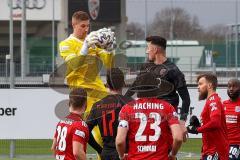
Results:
<point x="234" y="152"/>
<point x="211" y="157"/>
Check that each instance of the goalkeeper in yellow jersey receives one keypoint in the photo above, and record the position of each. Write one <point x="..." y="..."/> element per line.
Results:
<point x="84" y="55"/>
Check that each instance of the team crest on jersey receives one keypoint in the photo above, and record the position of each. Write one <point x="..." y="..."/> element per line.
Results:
<point x="211" y="98"/>
<point x="237" y="109"/>
<point x="163" y="72"/>
<point x="93" y="8"/>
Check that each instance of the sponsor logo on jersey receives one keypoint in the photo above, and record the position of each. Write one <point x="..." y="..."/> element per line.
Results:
<point x="80" y="133"/>
<point x="237" y="109"/>
<point x="93" y="8"/>
<point x="231" y="119"/>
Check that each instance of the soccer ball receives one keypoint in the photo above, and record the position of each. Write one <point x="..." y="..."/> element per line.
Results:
<point x="106" y="39"/>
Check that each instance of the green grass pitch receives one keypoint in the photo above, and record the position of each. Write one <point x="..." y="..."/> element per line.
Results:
<point x="42" y="148"/>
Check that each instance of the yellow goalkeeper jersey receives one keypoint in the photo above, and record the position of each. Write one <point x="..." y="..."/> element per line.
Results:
<point x="83" y="71"/>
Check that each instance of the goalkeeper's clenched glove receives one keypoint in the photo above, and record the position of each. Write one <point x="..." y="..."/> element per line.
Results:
<point x="103" y="38"/>
<point x="89" y="41"/>
<point x="194" y="124"/>
<point x="92" y="39"/>
<point x="194" y="121"/>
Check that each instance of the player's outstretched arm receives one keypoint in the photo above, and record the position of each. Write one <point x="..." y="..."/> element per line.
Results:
<point x="121" y="140"/>
<point x="78" y="151"/>
<point x="177" y="135"/>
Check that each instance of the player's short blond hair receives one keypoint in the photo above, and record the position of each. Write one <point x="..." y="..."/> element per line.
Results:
<point x="80" y="16"/>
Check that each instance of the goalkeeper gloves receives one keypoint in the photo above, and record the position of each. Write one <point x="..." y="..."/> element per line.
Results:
<point x="92" y="39"/>
<point x="192" y="129"/>
<point x="89" y="41"/>
<point x="103" y="38"/>
<point x="194" y="124"/>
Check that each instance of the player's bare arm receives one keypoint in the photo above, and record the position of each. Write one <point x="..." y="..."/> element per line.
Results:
<point x="53" y="147"/>
<point x="121" y="141"/>
<point x="78" y="151"/>
<point x="184" y="130"/>
<point x="177" y="139"/>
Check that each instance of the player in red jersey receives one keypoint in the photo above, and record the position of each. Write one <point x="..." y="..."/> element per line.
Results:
<point x="232" y="113"/>
<point x="72" y="134"/>
<point x="147" y="124"/>
<point x="213" y="129"/>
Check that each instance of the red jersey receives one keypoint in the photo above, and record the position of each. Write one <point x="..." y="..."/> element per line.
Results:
<point x="73" y="128"/>
<point x="232" y="112"/>
<point x="148" y="122"/>
<point x="213" y="129"/>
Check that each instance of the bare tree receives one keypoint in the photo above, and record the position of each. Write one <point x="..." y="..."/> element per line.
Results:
<point x="135" y="31"/>
<point x="215" y="33"/>
<point x="184" y="26"/>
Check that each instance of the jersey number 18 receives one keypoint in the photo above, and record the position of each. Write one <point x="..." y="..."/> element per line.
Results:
<point x="61" y="138"/>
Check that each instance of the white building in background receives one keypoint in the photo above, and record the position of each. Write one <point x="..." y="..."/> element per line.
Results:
<point x="40" y="15"/>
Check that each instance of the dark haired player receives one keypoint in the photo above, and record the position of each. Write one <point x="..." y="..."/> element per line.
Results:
<point x="147" y="123"/>
<point x="105" y="114"/>
<point x="213" y="128"/>
<point x="163" y="68"/>
<point x="232" y="113"/>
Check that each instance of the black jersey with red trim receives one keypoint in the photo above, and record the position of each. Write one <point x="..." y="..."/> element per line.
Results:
<point x="169" y="72"/>
<point x="105" y="114"/>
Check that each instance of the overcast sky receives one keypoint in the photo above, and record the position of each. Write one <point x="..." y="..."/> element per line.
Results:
<point x="209" y="12"/>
